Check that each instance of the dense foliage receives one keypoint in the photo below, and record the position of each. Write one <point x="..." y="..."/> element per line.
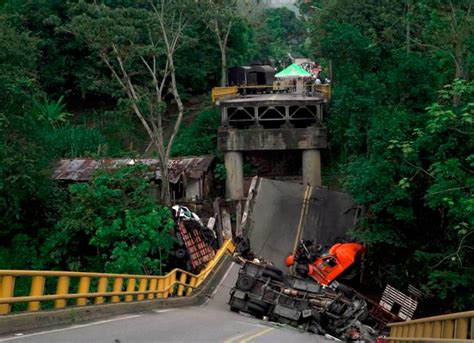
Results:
<point x="58" y="99"/>
<point x="401" y="126"/>
<point x="112" y="223"/>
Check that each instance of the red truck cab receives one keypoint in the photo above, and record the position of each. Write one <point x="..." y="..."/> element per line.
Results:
<point x="328" y="267"/>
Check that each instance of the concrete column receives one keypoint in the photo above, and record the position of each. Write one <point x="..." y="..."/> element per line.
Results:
<point x="234" y="182"/>
<point x="312" y="167"/>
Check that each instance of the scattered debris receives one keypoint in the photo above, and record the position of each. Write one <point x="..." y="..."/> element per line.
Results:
<point x="265" y="291"/>
<point x="197" y="244"/>
<point x="400" y="304"/>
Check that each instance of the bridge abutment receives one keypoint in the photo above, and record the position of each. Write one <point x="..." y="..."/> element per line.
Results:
<point x="271" y="122"/>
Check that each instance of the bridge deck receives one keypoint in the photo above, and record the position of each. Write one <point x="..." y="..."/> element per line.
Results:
<point x="278" y="97"/>
<point x="211" y="322"/>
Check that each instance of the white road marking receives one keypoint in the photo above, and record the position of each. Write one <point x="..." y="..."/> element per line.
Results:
<point x="219" y="284"/>
<point x="165" y="310"/>
<point x="69" y="328"/>
<point x="222" y="280"/>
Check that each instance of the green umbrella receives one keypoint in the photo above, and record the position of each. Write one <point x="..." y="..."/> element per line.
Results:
<point x="293" y="70"/>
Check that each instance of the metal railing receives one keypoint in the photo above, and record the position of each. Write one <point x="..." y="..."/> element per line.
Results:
<point x="309" y="89"/>
<point x="455" y="327"/>
<point x="223" y="92"/>
<point x="325" y="89"/>
<point x="111" y="288"/>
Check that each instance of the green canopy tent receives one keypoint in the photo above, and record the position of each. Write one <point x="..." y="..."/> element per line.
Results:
<point x="293" y="70"/>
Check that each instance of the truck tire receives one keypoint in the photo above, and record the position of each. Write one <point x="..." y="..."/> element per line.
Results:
<point x="245" y="282"/>
<point x="273" y="273"/>
<point x="181" y="253"/>
<point x="257" y="308"/>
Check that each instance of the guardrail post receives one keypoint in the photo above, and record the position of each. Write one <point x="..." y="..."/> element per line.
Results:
<point x="118" y="283"/>
<point x="404" y="331"/>
<point x="152" y="287"/>
<point x="192" y="284"/>
<point x="142" y="288"/>
<point x="7" y="287"/>
<point x="419" y="330"/>
<point x="436" y="330"/>
<point x="62" y="287"/>
<point x="448" y="329"/>
<point x="182" y="281"/>
<point x="130" y="288"/>
<point x="160" y="288"/>
<point x="101" y="288"/>
<point x="472" y="328"/>
<point x="171" y="284"/>
<point x="37" y="289"/>
<point x="461" y="328"/>
<point x="84" y="284"/>
<point x="166" y="284"/>
<point x="427" y="329"/>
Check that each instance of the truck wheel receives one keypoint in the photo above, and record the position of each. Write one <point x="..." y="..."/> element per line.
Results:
<point x="245" y="282"/>
<point x="181" y="253"/>
<point x="272" y="275"/>
<point x="257" y="308"/>
<point x="274" y="269"/>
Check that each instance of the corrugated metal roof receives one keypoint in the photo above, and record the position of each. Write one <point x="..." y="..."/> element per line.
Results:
<point x="81" y="169"/>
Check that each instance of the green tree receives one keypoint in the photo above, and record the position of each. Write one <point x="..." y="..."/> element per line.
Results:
<point x="408" y="165"/>
<point x="112" y="223"/>
<point x="279" y="33"/>
<point x="138" y="46"/>
<point x="28" y="199"/>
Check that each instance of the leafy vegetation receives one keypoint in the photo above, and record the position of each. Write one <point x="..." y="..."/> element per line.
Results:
<point x="400" y="126"/>
<point x="112" y="223"/>
<point x="401" y="132"/>
<point x="59" y="99"/>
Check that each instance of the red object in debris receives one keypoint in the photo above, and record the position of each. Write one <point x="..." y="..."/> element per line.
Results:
<point x="382" y="339"/>
<point x="199" y="251"/>
<point x="328" y="267"/>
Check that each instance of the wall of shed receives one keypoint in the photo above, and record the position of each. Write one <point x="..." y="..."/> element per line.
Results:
<point x="193" y="189"/>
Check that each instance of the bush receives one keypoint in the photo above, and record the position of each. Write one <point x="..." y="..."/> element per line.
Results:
<point x="112" y="223"/>
<point x="200" y="137"/>
<point x="74" y="141"/>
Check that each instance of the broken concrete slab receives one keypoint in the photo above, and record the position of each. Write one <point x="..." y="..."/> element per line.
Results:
<point x="274" y="213"/>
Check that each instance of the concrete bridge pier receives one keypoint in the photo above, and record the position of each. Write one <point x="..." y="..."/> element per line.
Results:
<point x="312" y="167"/>
<point x="234" y="182"/>
<point x="271" y="122"/>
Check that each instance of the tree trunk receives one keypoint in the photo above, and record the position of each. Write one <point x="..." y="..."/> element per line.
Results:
<point x="223" y="67"/>
<point x="165" y="183"/>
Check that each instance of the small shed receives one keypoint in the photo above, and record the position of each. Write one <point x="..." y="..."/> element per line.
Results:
<point x="190" y="177"/>
<point x="261" y="75"/>
<point x="237" y="76"/>
<point x="254" y="75"/>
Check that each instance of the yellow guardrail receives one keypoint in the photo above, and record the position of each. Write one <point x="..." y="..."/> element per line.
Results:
<point x="109" y="287"/>
<point x="222" y="92"/>
<point x="455" y="327"/>
<point x="325" y="89"/>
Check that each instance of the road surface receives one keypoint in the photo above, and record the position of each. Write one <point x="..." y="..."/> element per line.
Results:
<point x="211" y="322"/>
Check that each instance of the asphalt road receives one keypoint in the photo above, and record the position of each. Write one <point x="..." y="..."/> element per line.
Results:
<point x="211" y="322"/>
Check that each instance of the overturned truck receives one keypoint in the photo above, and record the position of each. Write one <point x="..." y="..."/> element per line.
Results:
<point x="265" y="291"/>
